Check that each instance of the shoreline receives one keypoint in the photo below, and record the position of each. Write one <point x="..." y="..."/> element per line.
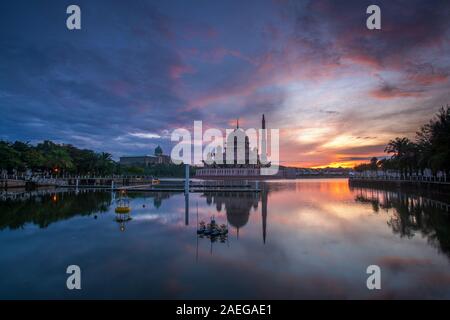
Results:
<point x="432" y="190"/>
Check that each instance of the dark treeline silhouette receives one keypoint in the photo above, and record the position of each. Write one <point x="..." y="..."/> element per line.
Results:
<point x="429" y="150"/>
<point x="55" y="158"/>
<point x="411" y="215"/>
<point x="65" y="159"/>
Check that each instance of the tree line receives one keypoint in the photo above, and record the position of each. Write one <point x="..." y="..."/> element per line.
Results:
<point x="430" y="149"/>
<point x="54" y="158"/>
<point x="65" y="159"/>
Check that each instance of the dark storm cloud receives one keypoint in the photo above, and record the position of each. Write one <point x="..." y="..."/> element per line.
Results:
<point x="408" y="26"/>
<point x="387" y="90"/>
<point x="409" y="30"/>
<point x="99" y="83"/>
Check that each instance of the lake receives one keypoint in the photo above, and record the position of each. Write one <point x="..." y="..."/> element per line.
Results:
<point x="297" y="239"/>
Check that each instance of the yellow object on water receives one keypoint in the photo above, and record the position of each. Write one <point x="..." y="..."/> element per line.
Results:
<point x="123" y="210"/>
<point x="123" y="204"/>
<point x="155" y="181"/>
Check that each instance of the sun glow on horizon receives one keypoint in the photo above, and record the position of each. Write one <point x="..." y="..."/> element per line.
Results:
<point x="338" y="164"/>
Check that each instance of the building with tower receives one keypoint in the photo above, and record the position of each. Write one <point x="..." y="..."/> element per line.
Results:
<point x="239" y="158"/>
<point x="147" y="160"/>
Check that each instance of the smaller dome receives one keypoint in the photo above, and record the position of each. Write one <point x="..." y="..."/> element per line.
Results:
<point x="158" y="151"/>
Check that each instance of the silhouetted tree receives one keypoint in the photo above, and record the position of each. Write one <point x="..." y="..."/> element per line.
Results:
<point x="431" y="149"/>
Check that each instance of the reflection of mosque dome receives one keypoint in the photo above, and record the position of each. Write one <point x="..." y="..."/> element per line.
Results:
<point x="238" y="210"/>
<point x="237" y="217"/>
<point x="237" y="207"/>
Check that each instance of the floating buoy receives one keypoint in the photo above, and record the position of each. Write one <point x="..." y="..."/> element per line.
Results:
<point x="122" y="210"/>
<point x="123" y="204"/>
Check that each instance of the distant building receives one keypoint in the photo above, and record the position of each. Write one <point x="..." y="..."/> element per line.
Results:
<point x="158" y="151"/>
<point x="146" y="161"/>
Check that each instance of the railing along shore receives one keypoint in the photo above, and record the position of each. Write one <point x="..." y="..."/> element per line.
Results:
<point x="413" y="179"/>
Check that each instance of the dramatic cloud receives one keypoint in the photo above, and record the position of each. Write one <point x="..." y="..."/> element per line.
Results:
<point x="137" y="70"/>
<point x="145" y="135"/>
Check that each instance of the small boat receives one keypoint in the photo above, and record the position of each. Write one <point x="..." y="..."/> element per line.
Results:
<point x="155" y="181"/>
<point x="223" y="229"/>
<point x="212" y="229"/>
<point x="215" y="233"/>
<point x="201" y="229"/>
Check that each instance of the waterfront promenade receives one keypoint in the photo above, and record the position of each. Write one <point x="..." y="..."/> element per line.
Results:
<point x="128" y="183"/>
<point x="402" y="180"/>
<point x="31" y="182"/>
<point x="418" y="184"/>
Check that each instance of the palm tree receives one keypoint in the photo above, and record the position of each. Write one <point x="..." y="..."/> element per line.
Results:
<point x="433" y="141"/>
<point x="59" y="159"/>
<point x="404" y="152"/>
<point x="104" y="163"/>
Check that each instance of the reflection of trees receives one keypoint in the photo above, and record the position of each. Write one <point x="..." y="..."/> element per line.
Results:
<point x="412" y="214"/>
<point x="374" y="202"/>
<point x="47" y="208"/>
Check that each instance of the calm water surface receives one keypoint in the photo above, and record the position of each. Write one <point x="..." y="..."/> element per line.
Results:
<point x="297" y="239"/>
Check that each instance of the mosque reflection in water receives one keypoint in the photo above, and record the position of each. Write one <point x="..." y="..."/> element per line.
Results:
<point x="238" y="205"/>
<point x="408" y="213"/>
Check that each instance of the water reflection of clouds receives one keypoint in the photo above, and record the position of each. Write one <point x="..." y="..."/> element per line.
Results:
<point x="319" y="241"/>
<point x="399" y="264"/>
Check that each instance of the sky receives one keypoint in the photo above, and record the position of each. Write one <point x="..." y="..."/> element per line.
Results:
<point x="137" y="70"/>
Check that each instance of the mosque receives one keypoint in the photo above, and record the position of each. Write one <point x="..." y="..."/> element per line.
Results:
<point x="238" y="158"/>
